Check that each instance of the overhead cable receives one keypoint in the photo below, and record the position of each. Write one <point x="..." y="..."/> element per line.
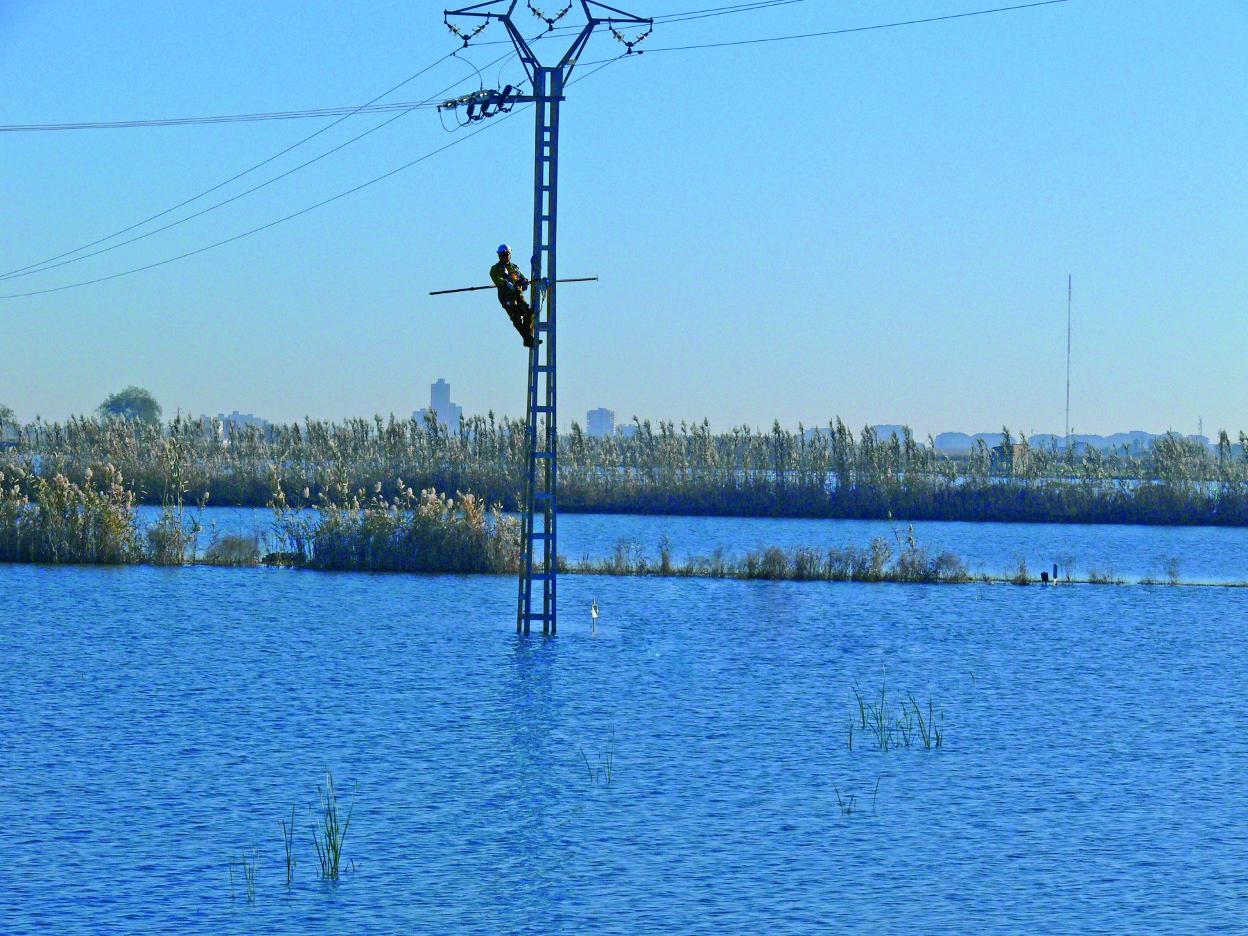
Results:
<point x="53" y="264"/>
<point x="601" y="64"/>
<point x="290" y="217"/>
<point x="857" y="29"/>
<point x="370" y="107"/>
<point x="264" y="227"/>
<point x="220" y="185"/>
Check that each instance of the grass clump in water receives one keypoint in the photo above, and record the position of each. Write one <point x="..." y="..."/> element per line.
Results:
<point x="890" y="723"/>
<point x="1021" y="575"/>
<point x="411" y="532"/>
<point x="247" y="866"/>
<point x="56" y="520"/>
<point x="233" y="550"/>
<point x="1103" y="577"/>
<point x="603" y="772"/>
<point x="288" y="843"/>
<point x="330" y="830"/>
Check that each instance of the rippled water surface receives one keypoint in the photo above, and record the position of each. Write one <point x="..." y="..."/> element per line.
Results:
<point x="157" y="723"/>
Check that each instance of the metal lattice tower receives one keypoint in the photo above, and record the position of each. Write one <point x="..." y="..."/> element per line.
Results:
<point x="539" y="556"/>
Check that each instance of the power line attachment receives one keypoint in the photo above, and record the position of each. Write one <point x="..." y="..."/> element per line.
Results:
<point x="549" y="20"/>
<point x="483" y="104"/>
<point x="630" y="43"/>
<point x="466" y="35"/>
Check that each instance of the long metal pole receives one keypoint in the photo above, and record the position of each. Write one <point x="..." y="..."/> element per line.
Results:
<point x="1068" y="295"/>
<point x="541" y="436"/>
<point x="464" y="289"/>
<point x="551" y="556"/>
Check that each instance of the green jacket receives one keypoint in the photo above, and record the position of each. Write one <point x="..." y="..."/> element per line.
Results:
<point x="508" y="278"/>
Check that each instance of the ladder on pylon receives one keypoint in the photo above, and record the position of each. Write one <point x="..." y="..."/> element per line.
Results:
<point x="539" y="555"/>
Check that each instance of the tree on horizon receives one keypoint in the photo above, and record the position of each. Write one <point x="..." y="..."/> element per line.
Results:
<point x="131" y="403"/>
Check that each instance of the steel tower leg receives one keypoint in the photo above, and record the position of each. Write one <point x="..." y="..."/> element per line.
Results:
<point x="541" y="436"/>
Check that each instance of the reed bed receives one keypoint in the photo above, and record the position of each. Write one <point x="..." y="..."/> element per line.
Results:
<point x="53" y="519"/>
<point x="663" y="468"/>
<point x="877" y="562"/>
<point x="411" y="532"/>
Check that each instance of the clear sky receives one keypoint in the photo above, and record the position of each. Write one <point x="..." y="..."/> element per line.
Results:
<point x="877" y="225"/>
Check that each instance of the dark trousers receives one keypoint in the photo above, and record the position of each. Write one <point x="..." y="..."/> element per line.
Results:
<point x="521" y="316"/>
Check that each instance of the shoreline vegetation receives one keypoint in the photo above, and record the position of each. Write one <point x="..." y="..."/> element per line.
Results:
<point x="684" y="469"/>
<point x="57" y="521"/>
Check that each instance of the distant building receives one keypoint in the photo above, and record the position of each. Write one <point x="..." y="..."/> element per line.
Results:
<point x="600" y="423"/>
<point x="237" y="420"/>
<point x="441" y="407"/>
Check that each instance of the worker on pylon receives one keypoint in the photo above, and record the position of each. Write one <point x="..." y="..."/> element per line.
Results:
<point x="511" y="284"/>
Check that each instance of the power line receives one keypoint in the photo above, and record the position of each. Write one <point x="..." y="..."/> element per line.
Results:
<point x="214" y="119"/>
<point x="219" y="185"/>
<point x="368" y="108"/>
<point x="290" y="217"/>
<point x="711" y="12"/>
<point x="372" y="108"/>
<point x="203" y="211"/>
<point x="666" y="19"/>
<point x="264" y="227"/>
<point x="51" y="265"/>
<point x="857" y="29"/>
<point x="602" y="63"/>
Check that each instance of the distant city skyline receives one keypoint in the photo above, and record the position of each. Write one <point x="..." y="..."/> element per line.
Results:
<point x="243" y="419"/>
<point x="601" y="421"/>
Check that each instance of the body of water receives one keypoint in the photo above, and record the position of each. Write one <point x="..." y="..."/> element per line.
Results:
<point x="158" y="723"/>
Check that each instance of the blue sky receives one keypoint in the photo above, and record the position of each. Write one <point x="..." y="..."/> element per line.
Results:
<point x="876" y="225"/>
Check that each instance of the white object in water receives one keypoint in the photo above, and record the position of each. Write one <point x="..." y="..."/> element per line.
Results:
<point x="593" y="614"/>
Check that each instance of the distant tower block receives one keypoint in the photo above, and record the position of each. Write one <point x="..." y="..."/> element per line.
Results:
<point x="600" y="423"/>
<point x="441" y="408"/>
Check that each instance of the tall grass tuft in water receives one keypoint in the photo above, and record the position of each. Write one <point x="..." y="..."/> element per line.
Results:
<point x="288" y="843"/>
<point x="52" y="519"/>
<point x="411" y="532"/>
<point x="233" y="550"/>
<point x="330" y="830"/>
<point x="847" y="803"/>
<point x="930" y="732"/>
<point x="604" y="772"/>
<point x="891" y="724"/>
<point x="247" y="866"/>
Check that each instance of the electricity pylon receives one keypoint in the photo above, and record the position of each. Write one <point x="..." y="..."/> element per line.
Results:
<point x="548" y="83"/>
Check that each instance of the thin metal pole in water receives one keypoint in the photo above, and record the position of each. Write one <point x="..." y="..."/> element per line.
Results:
<point x="1069" y="280"/>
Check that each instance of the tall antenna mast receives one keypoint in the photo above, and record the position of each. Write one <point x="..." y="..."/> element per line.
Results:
<point x="1068" y="295"/>
<point x="547" y="85"/>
